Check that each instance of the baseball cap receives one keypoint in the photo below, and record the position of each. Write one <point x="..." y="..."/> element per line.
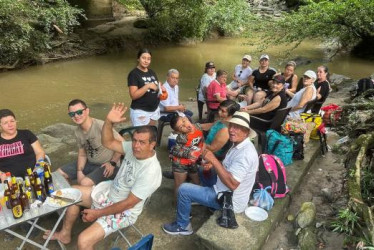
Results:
<point x="264" y="56"/>
<point x="209" y="65"/>
<point x="243" y="119"/>
<point x="280" y="79"/>
<point x="247" y="57"/>
<point x="310" y="74"/>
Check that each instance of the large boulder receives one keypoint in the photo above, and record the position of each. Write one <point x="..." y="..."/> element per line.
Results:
<point x="306" y="215"/>
<point x="307" y="239"/>
<point x="62" y="131"/>
<point x="338" y="79"/>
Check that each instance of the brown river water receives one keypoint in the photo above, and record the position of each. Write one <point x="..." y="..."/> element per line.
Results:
<point x="39" y="95"/>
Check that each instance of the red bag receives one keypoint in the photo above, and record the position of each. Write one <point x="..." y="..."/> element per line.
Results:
<point x="332" y="114"/>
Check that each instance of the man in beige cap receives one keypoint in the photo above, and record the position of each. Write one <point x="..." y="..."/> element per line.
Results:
<point x="236" y="174"/>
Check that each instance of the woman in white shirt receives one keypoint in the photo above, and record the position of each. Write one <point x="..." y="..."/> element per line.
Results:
<point x="208" y="76"/>
<point x="304" y="95"/>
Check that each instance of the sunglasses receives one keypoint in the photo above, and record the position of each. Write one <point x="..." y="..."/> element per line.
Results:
<point x="240" y="73"/>
<point x="78" y="112"/>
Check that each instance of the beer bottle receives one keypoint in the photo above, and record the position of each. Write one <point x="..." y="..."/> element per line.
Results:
<point x="24" y="199"/>
<point x="47" y="167"/>
<point x="48" y="183"/>
<point x="29" y="191"/>
<point x="14" y="186"/>
<point x="31" y="176"/>
<point x="16" y="206"/>
<point x="7" y="194"/>
<point x="39" y="190"/>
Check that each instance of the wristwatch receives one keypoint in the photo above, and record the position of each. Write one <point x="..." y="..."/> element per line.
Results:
<point x="113" y="163"/>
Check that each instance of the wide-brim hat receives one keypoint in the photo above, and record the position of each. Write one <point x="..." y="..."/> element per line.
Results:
<point x="243" y="119"/>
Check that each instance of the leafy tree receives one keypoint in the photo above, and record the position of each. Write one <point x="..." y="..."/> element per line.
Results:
<point x="175" y="20"/>
<point x="345" y="23"/>
<point x="29" y="26"/>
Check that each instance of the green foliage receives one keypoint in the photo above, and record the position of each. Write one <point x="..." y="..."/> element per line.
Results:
<point x="27" y="26"/>
<point x="174" y="20"/>
<point x="367" y="185"/>
<point x="131" y="4"/>
<point x="345" y="22"/>
<point x="346" y="222"/>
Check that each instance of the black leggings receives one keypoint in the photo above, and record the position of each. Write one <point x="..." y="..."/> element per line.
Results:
<point x="200" y="108"/>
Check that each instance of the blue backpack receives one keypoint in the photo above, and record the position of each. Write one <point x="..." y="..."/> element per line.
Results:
<point x="279" y="145"/>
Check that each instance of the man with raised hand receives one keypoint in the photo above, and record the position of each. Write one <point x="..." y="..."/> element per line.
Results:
<point x="120" y="201"/>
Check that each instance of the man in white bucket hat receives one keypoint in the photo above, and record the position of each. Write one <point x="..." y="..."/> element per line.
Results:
<point x="236" y="174"/>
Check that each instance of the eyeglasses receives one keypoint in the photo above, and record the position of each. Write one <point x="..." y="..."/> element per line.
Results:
<point x="78" y="112"/>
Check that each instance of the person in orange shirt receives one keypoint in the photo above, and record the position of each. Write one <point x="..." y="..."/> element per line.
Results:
<point x="187" y="151"/>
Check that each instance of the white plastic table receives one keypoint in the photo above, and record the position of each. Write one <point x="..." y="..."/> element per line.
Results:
<point x="34" y="215"/>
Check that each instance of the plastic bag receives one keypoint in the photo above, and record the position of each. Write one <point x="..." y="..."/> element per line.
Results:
<point x="262" y="198"/>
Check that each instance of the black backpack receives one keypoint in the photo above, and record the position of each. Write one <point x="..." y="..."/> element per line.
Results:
<point x="363" y="85"/>
<point x="298" y="145"/>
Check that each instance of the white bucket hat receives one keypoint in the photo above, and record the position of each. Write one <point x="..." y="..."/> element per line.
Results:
<point x="243" y="119"/>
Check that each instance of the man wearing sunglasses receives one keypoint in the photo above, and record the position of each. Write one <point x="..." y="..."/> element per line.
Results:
<point x="95" y="162"/>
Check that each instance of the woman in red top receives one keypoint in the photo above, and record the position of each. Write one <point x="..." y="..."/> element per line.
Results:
<point x="216" y="92"/>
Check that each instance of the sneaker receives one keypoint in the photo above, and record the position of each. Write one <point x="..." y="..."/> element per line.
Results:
<point x="168" y="174"/>
<point x="194" y="203"/>
<point x="174" y="229"/>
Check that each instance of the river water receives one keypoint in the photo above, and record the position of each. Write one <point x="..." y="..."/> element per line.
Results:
<point x="39" y="95"/>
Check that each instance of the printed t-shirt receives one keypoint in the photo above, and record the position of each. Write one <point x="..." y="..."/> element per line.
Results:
<point x="192" y="142"/>
<point x="17" y="154"/>
<point x="90" y="141"/>
<point x="140" y="177"/>
<point x="149" y="101"/>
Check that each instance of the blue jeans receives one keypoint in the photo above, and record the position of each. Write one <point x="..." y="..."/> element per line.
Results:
<point x="207" y="180"/>
<point x="188" y="193"/>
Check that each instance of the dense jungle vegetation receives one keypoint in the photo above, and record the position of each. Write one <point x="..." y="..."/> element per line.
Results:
<point x="28" y="27"/>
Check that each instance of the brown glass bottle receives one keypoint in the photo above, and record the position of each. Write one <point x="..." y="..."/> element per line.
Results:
<point x="47" y="167"/>
<point x="7" y="194"/>
<point x="14" y="185"/>
<point x="39" y="190"/>
<point x="29" y="190"/>
<point x="16" y="206"/>
<point x="24" y="199"/>
<point x="31" y="176"/>
<point x="48" y="183"/>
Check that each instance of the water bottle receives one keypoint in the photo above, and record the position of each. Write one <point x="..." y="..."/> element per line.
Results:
<point x="39" y="171"/>
<point x="171" y="140"/>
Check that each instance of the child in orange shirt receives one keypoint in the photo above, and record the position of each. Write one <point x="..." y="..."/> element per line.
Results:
<point x="188" y="148"/>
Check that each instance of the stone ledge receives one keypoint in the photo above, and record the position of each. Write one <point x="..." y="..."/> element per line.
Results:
<point x="252" y="234"/>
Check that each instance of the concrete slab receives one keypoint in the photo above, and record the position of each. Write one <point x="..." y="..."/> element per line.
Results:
<point x="252" y="234"/>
